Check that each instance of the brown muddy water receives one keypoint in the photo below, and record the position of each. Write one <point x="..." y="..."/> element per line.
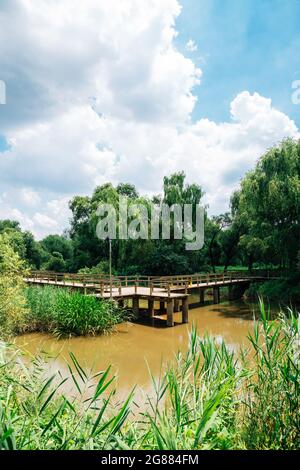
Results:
<point x="134" y="348"/>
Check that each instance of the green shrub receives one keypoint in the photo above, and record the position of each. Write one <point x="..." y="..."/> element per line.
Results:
<point x="66" y="313"/>
<point x="272" y="412"/>
<point x="77" y="314"/>
<point x="284" y="291"/>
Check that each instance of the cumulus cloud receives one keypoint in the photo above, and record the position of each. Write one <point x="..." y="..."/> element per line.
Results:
<point x="98" y="92"/>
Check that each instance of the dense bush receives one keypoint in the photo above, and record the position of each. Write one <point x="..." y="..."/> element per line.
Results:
<point x="284" y="291"/>
<point x="66" y="313"/>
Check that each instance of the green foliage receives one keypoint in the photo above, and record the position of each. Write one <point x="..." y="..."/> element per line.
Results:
<point x="64" y="313"/>
<point x="283" y="291"/>
<point x="100" y="268"/>
<point x="12" y="301"/>
<point x="163" y="261"/>
<point x="56" y="263"/>
<point x="144" y="256"/>
<point x="200" y="393"/>
<point x="22" y="242"/>
<point x="262" y="229"/>
<point x="272" y="418"/>
<point x="267" y="206"/>
<point x="59" y="252"/>
<point x="209" y="398"/>
<point x="34" y="413"/>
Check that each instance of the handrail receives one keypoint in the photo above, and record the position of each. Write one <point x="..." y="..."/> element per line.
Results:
<point x="105" y="284"/>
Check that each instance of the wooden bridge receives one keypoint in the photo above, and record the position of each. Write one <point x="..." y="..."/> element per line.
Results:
<point x="172" y="292"/>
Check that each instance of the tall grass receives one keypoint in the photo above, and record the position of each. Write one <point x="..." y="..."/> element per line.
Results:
<point x="66" y="313"/>
<point x="34" y="414"/>
<point x="272" y="413"/>
<point x="209" y="398"/>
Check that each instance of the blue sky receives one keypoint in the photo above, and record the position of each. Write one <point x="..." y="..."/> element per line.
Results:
<point x="125" y="96"/>
<point x="3" y="144"/>
<point x="243" y="45"/>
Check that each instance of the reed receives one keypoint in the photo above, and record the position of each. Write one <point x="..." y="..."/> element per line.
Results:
<point x="65" y="313"/>
<point x="272" y="413"/>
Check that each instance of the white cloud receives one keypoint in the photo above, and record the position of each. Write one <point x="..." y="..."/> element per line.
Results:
<point x="100" y="93"/>
<point x="191" y="46"/>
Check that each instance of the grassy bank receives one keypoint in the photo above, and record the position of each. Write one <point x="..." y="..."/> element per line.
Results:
<point x="62" y="313"/>
<point x="209" y="398"/>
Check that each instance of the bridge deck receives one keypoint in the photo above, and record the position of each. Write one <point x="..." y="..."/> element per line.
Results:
<point x="171" y="291"/>
<point x="142" y="291"/>
<point x="126" y="292"/>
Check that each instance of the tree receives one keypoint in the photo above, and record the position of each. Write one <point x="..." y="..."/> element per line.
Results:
<point x="213" y="229"/>
<point x="58" y="244"/>
<point x="12" y="300"/>
<point x="164" y="261"/>
<point x="252" y="249"/>
<point x="267" y="205"/>
<point x="22" y="242"/>
<point x="9" y="225"/>
<point x="90" y="251"/>
<point x="129" y="190"/>
<point x="229" y="243"/>
<point x="176" y="192"/>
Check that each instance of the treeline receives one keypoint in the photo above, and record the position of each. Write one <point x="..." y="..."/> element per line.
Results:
<point x="261" y="228"/>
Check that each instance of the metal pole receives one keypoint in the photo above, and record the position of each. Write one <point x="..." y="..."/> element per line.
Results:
<point x="110" y="270"/>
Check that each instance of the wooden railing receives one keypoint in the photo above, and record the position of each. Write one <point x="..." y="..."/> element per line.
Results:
<point x="103" y="284"/>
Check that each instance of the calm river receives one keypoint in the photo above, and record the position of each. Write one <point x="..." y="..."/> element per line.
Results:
<point x="133" y="346"/>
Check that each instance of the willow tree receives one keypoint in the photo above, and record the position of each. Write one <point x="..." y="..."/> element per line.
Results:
<point x="267" y="205"/>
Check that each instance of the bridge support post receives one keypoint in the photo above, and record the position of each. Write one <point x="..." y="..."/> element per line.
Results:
<point x="121" y="303"/>
<point x="135" y="305"/>
<point x="201" y="295"/>
<point x="231" y="295"/>
<point x="151" y="308"/>
<point x="176" y="305"/>
<point x="236" y="291"/>
<point x="170" y="312"/>
<point x="216" y="295"/>
<point x="185" y="310"/>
